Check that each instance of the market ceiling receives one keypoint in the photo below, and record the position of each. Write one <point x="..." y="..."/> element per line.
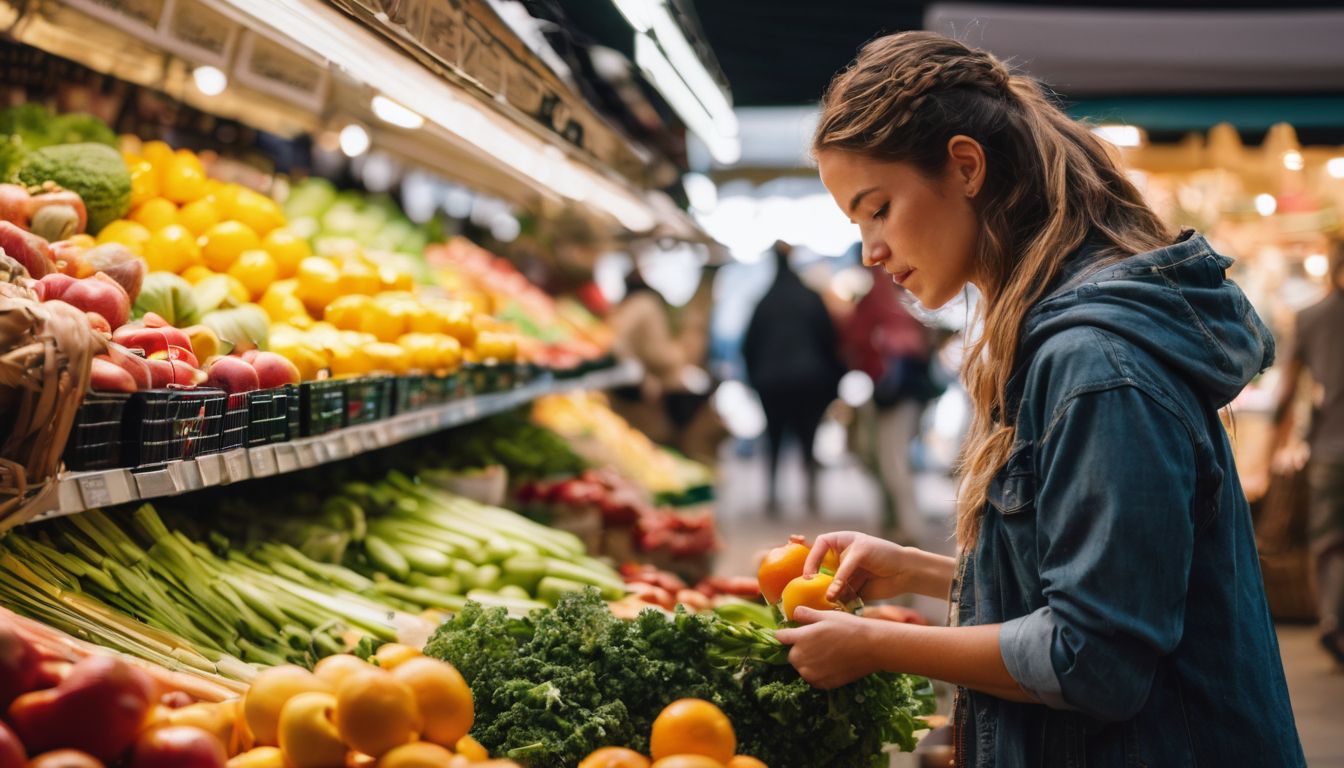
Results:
<point x="1136" y="57"/>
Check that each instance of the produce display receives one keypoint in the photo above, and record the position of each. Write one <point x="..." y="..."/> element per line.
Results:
<point x="554" y="687"/>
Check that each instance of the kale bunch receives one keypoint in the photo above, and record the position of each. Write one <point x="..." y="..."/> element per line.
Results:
<point x="553" y="687"/>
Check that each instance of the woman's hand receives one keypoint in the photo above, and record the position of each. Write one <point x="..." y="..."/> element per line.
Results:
<point x="831" y="648"/>
<point x="870" y="568"/>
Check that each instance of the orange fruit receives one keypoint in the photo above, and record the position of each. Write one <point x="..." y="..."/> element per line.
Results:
<point x="392" y="655"/>
<point x="171" y="249"/>
<point x="223" y="243"/>
<point x="443" y="697"/>
<point x="144" y="181"/>
<point x="376" y="712"/>
<point x="260" y="213"/>
<point x="155" y="213"/>
<point x="288" y="250"/>
<point x="688" y="761"/>
<point x="337" y="669"/>
<point x="256" y="270"/>
<point x="358" y="277"/>
<point x="811" y="593"/>
<point x="131" y="234"/>
<point x="268" y="695"/>
<point x="780" y="566"/>
<point x="420" y="754"/>
<point x="183" y="179"/>
<point x="615" y="757"/>
<point x="745" y="761"/>
<point x="471" y="749"/>
<point x="318" y="284"/>
<point x="199" y="217"/>
<point x="308" y="737"/>
<point x="692" y="727"/>
<point x="260" y="757"/>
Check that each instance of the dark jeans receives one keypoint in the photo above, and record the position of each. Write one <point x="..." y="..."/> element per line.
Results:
<point x="1325" y="532"/>
<point x="797" y="412"/>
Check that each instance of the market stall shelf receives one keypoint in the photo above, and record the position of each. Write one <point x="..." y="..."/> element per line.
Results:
<point x="90" y="490"/>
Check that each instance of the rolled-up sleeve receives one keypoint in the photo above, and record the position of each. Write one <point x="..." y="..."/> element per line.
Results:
<point x="1115" y="536"/>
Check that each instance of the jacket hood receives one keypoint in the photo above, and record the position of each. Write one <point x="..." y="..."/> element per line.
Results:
<point x="1175" y="303"/>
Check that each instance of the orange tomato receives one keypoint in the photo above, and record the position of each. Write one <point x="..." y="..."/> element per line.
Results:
<point x="393" y="655"/>
<point x="780" y="566"/>
<point x="420" y="754"/>
<point x="811" y="593"/>
<point x="376" y="713"/>
<point x="336" y="669"/>
<point x="745" y="761"/>
<point x="692" y="727"/>
<point x="443" y="697"/>
<point x="471" y="749"/>
<point x="615" y="757"/>
<point x="687" y="761"/>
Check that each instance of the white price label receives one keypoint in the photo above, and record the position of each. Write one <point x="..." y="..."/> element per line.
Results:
<point x="236" y="463"/>
<point x="95" y="491"/>
<point x="155" y="483"/>
<point x="262" y="460"/>
<point x="286" y="458"/>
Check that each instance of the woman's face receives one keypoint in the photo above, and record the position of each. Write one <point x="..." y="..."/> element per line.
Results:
<point x="922" y="231"/>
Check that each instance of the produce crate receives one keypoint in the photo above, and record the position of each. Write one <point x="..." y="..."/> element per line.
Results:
<point x="268" y="416"/>
<point x="163" y="425"/>
<point x="294" y="422"/>
<point x="440" y="389"/>
<point x="236" y="415"/>
<point x="321" y="406"/>
<point x="95" y="438"/>
<point x="367" y="399"/>
<point x="501" y="376"/>
<point x="411" y="393"/>
<point x="476" y="379"/>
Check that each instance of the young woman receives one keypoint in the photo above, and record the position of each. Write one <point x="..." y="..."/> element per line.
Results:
<point x="1107" y="608"/>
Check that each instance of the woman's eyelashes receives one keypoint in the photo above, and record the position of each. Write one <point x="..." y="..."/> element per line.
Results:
<point x="881" y="213"/>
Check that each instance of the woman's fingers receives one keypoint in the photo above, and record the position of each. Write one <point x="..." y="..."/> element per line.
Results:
<point x="824" y="543"/>
<point x="850" y="575"/>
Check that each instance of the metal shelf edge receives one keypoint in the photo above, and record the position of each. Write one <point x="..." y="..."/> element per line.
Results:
<point x="80" y="491"/>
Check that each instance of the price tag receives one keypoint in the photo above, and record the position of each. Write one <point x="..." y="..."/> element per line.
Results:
<point x="262" y="459"/>
<point x="186" y="476"/>
<point x="286" y="458"/>
<point x="158" y="482"/>
<point x="235" y="462"/>
<point x="211" y="469"/>
<point x="94" y="490"/>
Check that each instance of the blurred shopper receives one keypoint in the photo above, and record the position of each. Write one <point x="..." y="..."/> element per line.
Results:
<point x="1107" y="607"/>
<point x="790" y="355"/>
<point x="1318" y="351"/>
<point x="642" y="330"/>
<point x="882" y="339"/>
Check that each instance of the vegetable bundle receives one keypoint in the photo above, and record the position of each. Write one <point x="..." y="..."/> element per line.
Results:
<point x="557" y="685"/>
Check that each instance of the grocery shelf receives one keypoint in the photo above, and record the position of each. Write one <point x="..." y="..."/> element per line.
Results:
<point x="89" y="490"/>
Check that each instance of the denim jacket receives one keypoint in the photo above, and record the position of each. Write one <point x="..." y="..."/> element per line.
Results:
<point x="1116" y="548"/>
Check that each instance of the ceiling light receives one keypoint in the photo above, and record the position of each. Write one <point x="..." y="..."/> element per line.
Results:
<point x="1335" y="167"/>
<point x="1120" y="135"/>
<point x="639" y="13"/>
<point x="1316" y="265"/>
<point x="210" y="80"/>
<point x="700" y="192"/>
<point x="1265" y="204"/>
<point x="354" y="140"/>
<point x="725" y="148"/>
<point x="390" y="111"/>
<point x="1292" y="160"/>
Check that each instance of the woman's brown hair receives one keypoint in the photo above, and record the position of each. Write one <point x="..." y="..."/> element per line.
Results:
<point x="1049" y="185"/>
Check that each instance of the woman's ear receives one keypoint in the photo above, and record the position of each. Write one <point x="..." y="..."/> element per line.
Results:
<point x="966" y="164"/>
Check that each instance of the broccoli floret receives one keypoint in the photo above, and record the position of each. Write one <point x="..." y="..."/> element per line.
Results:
<point x="29" y="127"/>
<point x="95" y="172"/>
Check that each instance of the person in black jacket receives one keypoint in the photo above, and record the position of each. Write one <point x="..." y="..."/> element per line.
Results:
<point x="790" y="350"/>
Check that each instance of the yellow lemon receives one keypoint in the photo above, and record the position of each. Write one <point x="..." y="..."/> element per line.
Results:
<point x="256" y="210"/>
<point x="394" y="279"/>
<point x="345" y="311"/>
<point x="183" y="179"/>
<point x="199" y="216"/>
<point x="387" y="322"/>
<point x="319" y="283"/>
<point x="197" y="273"/>
<point x="255" y="269"/>
<point x="225" y="242"/>
<point x="144" y="181"/>
<point x="129" y="233"/>
<point x="358" y="277"/>
<point x="155" y="213"/>
<point x="156" y="152"/>
<point x="282" y="305"/>
<point x="389" y="358"/>
<point x="348" y="360"/>
<point x="288" y="249"/>
<point x="172" y="249"/>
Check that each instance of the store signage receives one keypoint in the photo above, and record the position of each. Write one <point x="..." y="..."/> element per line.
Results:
<point x="134" y="16"/>
<point x="189" y="28"/>
<point x="278" y="71"/>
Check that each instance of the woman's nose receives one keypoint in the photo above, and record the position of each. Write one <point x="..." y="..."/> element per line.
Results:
<point x="875" y="253"/>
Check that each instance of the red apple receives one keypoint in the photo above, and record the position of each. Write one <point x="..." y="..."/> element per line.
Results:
<point x="12" y="754"/>
<point x="54" y="286"/>
<point x="152" y="339"/>
<point x="154" y="320"/>
<point x="165" y="371"/>
<point x="176" y="353"/>
<point x="178" y="746"/>
<point x="98" y="708"/>
<point x="100" y="294"/>
<point x="273" y="370"/>
<point x="132" y="363"/>
<point x="107" y="376"/>
<point x="65" y="758"/>
<point x="18" y="666"/>
<point x="233" y="375"/>
<point x="51" y="672"/>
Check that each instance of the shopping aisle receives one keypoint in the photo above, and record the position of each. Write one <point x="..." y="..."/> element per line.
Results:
<point x="849" y="500"/>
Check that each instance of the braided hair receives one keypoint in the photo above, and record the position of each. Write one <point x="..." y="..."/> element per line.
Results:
<point x="1050" y="184"/>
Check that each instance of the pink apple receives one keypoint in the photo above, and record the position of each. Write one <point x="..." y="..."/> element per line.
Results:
<point x="233" y="375"/>
<point x="100" y="294"/>
<point x="107" y="376"/>
<point x="178" y="746"/>
<point x="273" y="370"/>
